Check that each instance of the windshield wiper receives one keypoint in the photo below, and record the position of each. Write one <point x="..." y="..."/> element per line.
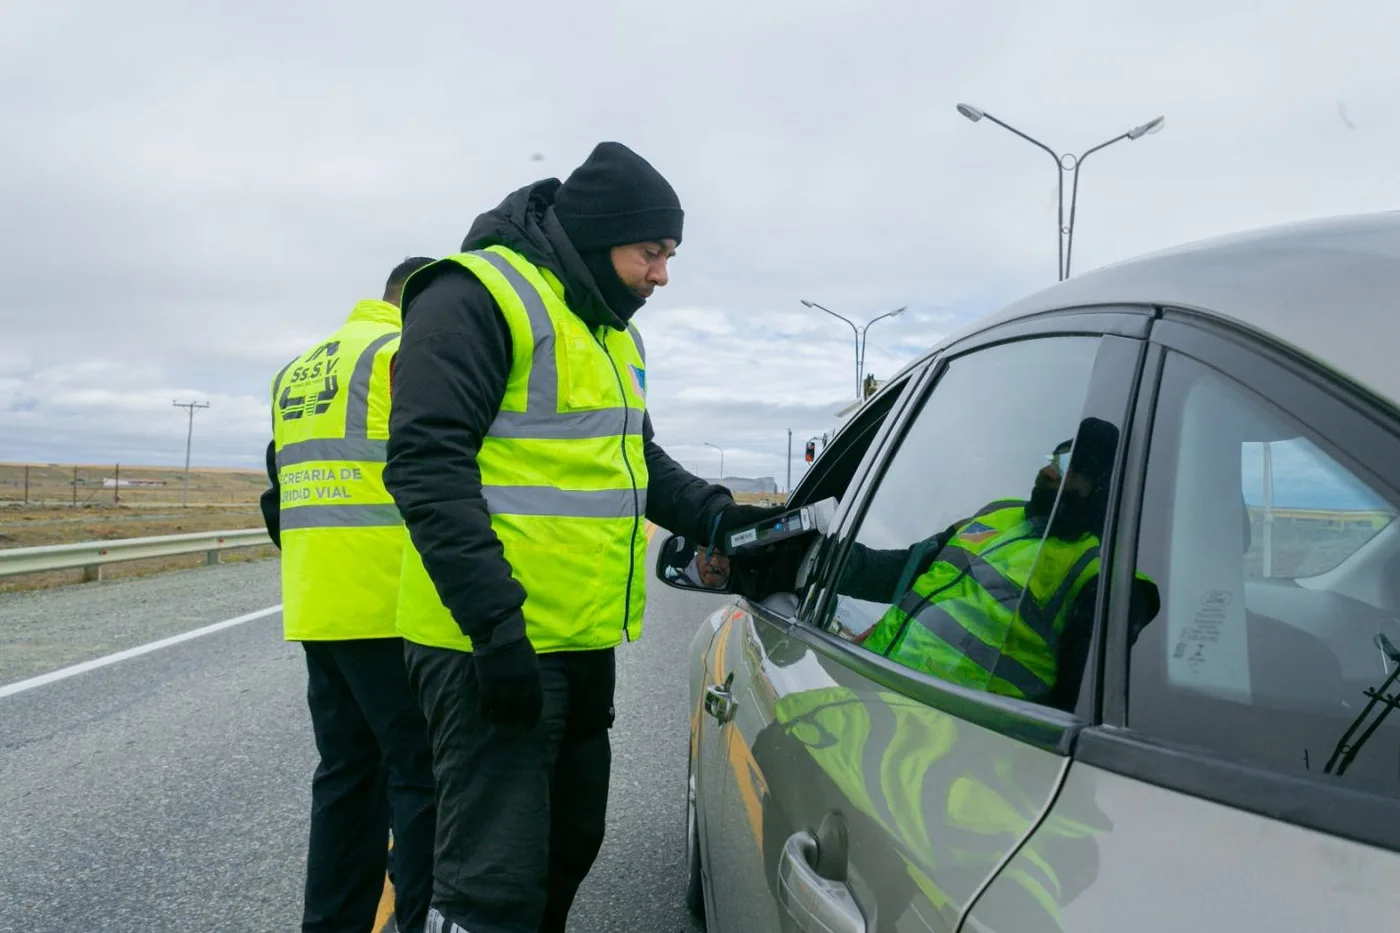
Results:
<point x="1345" y="753"/>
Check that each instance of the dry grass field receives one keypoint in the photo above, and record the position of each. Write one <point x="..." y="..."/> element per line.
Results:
<point x="220" y="500"/>
<point x="41" y="504"/>
<point x="63" y="484"/>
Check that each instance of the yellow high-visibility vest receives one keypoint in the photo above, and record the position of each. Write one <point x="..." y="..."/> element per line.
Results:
<point x="563" y="472"/>
<point x="990" y="610"/>
<point x="342" y="536"/>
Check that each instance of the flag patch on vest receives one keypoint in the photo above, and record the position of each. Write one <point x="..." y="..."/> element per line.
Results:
<point x="639" y="379"/>
<point x="976" y="532"/>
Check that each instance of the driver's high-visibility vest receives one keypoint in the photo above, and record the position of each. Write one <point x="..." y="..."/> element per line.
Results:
<point x="342" y="536"/>
<point x="563" y="470"/>
<point x="990" y="610"/>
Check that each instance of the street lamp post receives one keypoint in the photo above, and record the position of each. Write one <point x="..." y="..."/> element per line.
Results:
<point x="721" y="459"/>
<point x="1066" y="163"/>
<point x="859" y="333"/>
<point x="788" y="487"/>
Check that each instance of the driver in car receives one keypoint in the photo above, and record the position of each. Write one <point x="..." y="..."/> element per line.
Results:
<point x="1003" y="601"/>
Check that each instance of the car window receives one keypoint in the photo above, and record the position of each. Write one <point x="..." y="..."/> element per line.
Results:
<point x="1274" y="564"/>
<point x="977" y="558"/>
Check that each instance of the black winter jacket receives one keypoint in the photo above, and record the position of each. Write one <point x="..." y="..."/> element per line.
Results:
<point x="449" y="378"/>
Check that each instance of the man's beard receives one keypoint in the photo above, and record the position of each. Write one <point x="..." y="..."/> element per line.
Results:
<point x="1073" y="516"/>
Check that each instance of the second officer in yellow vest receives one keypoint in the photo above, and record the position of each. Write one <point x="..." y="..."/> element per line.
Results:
<point x="342" y="549"/>
<point x="522" y="459"/>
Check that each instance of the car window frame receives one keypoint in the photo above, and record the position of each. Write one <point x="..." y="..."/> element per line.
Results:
<point x="891" y="432"/>
<point x="1043" y="727"/>
<point x="833" y="455"/>
<point x="1344" y="418"/>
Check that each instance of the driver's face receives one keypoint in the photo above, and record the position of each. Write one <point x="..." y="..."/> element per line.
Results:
<point x="1053" y="476"/>
<point x="714" y="569"/>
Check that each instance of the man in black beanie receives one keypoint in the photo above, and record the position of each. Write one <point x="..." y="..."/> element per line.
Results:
<point x="521" y="458"/>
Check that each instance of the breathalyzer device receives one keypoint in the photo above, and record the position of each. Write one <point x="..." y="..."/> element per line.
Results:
<point x="814" y="517"/>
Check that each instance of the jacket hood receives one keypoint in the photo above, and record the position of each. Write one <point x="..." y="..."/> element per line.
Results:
<point x="525" y="222"/>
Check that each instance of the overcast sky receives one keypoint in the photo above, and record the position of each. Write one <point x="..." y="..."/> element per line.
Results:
<point x="190" y="195"/>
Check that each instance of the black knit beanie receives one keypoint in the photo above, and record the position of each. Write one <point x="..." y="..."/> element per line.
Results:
<point x="615" y="198"/>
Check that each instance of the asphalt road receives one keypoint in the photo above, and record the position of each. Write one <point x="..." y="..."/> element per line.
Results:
<point x="169" y="791"/>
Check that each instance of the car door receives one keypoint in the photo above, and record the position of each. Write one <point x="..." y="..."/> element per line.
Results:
<point x="864" y="793"/>
<point x="741" y="669"/>
<point x="1247" y="776"/>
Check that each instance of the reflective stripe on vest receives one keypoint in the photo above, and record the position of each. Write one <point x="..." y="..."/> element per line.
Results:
<point x="981" y="616"/>
<point x="342" y="536"/>
<point x="563" y="472"/>
<point x="543" y="418"/>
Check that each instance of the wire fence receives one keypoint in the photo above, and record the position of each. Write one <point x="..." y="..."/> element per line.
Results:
<point x="76" y="486"/>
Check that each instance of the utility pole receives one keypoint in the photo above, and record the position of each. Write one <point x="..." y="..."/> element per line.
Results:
<point x="189" y="437"/>
<point x="788" y="488"/>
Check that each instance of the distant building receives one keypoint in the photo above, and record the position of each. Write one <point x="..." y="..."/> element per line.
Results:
<point x="761" y="484"/>
<point x="110" y="483"/>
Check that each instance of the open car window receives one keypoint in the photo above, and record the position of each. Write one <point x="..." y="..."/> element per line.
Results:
<point x="831" y="474"/>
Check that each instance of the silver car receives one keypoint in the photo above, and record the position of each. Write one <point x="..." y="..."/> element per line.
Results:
<point x="1102" y="635"/>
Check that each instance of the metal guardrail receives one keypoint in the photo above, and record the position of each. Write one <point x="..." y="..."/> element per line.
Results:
<point x="1341" y="517"/>
<point x="91" y="556"/>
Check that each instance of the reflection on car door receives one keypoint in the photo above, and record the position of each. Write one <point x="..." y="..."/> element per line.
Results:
<point x="863" y="795"/>
<point x="890" y="813"/>
<point x="710" y="736"/>
<point x="743" y="899"/>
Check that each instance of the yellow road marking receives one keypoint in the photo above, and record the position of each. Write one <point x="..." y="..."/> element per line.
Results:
<point x="386" y="908"/>
<point x="651" y="530"/>
<point x="386" y="903"/>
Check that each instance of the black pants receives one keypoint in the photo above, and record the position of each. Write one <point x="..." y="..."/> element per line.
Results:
<point x="520" y="812"/>
<point x="375" y="771"/>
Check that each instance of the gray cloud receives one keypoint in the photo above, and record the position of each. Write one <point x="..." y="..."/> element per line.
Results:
<point x="191" y="194"/>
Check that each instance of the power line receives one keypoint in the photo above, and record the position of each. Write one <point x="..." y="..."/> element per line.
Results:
<point x="189" y="437"/>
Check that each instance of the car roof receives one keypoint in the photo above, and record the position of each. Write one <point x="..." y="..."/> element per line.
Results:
<point x="1329" y="289"/>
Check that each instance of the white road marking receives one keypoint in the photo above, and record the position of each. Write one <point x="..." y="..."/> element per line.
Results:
<point x="76" y="669"/>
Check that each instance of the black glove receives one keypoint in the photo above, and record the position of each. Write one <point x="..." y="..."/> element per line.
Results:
<point x="738" y="516"/>
<point x="508" y="681"/>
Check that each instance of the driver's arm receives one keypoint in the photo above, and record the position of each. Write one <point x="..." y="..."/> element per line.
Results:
<point x="874" y="576"/>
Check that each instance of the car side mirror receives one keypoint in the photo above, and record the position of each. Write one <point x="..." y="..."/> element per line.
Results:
<point x="683" y="565"/>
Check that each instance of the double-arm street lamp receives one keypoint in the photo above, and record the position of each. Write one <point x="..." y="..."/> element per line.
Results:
<point x="1066" y="163"/>
<point x="860" y="334"/>
<point x="721" y="459"/>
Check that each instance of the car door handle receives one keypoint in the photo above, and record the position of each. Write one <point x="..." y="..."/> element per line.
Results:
<point x="720" y="703"/>
<point x="816" y="904"/>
